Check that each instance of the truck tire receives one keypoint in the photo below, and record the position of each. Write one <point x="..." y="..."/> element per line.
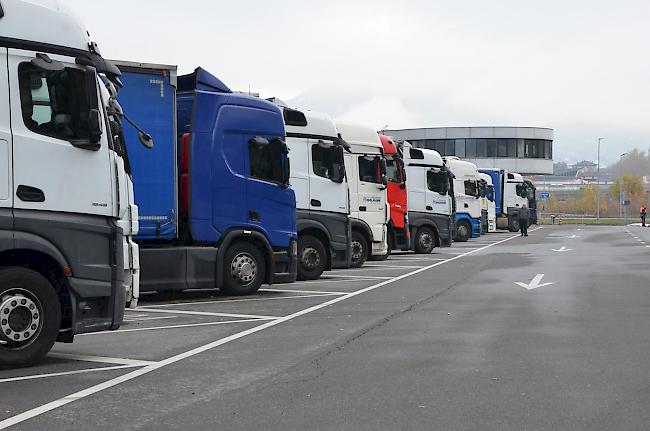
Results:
<point x="463" y="232"/>
<point x="359" y="250"/>
<point x="30" y="317"/>
<point x="513" y="224"/>
<point x="245" y="269"/>
<point x="425" y="241"/>
<point x="312" y="258"/>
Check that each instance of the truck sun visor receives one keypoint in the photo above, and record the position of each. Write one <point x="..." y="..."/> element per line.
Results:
<point x="293" y="117"/>
<point x="201" y="79"/>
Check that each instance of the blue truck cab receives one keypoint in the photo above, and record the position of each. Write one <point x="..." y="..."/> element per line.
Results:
<point x="216" y="207"/>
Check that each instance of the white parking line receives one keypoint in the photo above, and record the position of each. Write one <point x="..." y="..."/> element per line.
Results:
<point x="387" y="267"/>
<point x="67" y="373"/>
<point x="208" y="313"/>
<point x="159" y="328"/>
<point x="365" y="277"/>
<point x="300" y="291"/>
<point x="227" y="301"/>
<point x="146" y="319"/>
<point x="29" y="414"/>
<point x="100" y="359"/>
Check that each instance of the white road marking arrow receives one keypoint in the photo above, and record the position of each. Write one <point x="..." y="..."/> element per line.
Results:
<point x="563" y="249"/>
<point x="535" y="283"/>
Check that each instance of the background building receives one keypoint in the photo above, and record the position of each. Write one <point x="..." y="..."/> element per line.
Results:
<point x="526" y="150"/>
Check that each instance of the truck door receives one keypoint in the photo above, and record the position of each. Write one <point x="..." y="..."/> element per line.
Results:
<point x="58" y="164"/>
<point x="6" y="195"/>
<point x="328" y="187"/>
<point x="370" y="190"/>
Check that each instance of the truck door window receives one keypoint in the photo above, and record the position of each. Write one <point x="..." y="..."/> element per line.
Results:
<point x="369" y="169"/>
<point x="393" y="170"/>
<point x="55" y="103"/>
<point x="438" y="182"/>
<point x="327" y="162"/>
<point x="267" y="161"/>
<point x="522" y="190"/>
<point x="471" y="189"/>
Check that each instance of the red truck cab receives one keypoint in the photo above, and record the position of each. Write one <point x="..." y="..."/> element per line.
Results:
<point x="399" y="237"/>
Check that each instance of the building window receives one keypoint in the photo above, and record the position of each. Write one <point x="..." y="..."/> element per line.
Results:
<point x="481" y="148"/>
<point x="491" y="147"/>
<point x="470" y="148"/>
<point x="502" y="149"/>
<point x="460" y="148"/>
<point x="450" y="147"/>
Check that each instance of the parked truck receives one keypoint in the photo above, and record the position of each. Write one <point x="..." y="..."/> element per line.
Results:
<point x="488" y="204"/>
<point x="467" y="192"/>
<point x="369" y="210"/>
<point x="216" y="208"/>
<point x="432" y="204"/>
<point x="322" y="196"/>
<point x="399" y="234"/>
<point x="532" y="200"/>
<point x="510" y="193"/>
<point x="67" y="261"/>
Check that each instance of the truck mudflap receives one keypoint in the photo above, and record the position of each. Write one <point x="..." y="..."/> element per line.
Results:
<point x="400" y="236"/>
<point x="285" y="265"/>
<point x="342" y="251"/>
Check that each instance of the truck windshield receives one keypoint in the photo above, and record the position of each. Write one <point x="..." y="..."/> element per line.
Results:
<point x="268" y="161"/>
<point x="394" y="169"/>
<point x="370" y="169"/>
<point x="327" y="161"/>
<point x="471" y="188"/>
<point x="438" y="182"/>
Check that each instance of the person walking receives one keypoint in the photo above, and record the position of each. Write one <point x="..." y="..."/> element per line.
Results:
<point x="524" y="218"/>
<point x="644" y="215"/>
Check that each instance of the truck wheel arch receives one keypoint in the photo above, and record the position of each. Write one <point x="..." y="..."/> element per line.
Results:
<point x="319" y="231"/>
<point x="428" y="224"/>
<point x="245" y="235"/>
<point x="361" y="226"/>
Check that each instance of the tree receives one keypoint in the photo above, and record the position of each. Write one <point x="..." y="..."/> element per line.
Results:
<point x="632" y="186"/>
<point x="553" y="204"/>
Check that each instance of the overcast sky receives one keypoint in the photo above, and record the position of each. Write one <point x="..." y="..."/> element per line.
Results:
<point x="581" y="67"/>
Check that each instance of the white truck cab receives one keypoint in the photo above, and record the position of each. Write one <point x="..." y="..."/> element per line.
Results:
<point x="369" y="210"/>
<point x="488" y="203"/>
<point x="67" y="259"/>
<point x="431" y="199"/>
<point x="318" y="177"/>
<point x="468" y="203"/>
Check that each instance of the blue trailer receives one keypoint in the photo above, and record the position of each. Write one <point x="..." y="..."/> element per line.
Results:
<point x="216" y="207"/>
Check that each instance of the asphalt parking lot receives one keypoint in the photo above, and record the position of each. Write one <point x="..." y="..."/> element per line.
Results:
<point x="451" y="339"/>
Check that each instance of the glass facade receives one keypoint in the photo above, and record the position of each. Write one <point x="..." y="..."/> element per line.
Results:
<point x="489" y="148"/>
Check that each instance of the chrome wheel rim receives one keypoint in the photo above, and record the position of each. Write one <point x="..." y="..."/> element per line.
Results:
<point x="244" y="269"/>
<point x="21" y="318"/>
<point x="310" y="258"/>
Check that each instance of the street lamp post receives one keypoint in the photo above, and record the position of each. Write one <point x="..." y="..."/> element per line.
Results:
<point x="620" y="185"/>
<point x="598" y="180"/>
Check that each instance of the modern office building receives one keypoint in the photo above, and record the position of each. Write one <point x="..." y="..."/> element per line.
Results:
<point x="527" y="150"/>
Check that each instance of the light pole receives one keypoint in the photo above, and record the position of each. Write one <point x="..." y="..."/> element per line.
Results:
<point x="620" y="185"/>
<point x="598" y="180"/>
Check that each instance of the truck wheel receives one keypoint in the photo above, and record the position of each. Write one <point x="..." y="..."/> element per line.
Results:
<point x="30" y="317"/>
<point x="513" y="225"/>
<point x="359" y="250"/>
<point x="425" y="241"/>
<point x="312" y="258"/>
<point x="463" y="232"/>
<point x="245" y="269"/>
